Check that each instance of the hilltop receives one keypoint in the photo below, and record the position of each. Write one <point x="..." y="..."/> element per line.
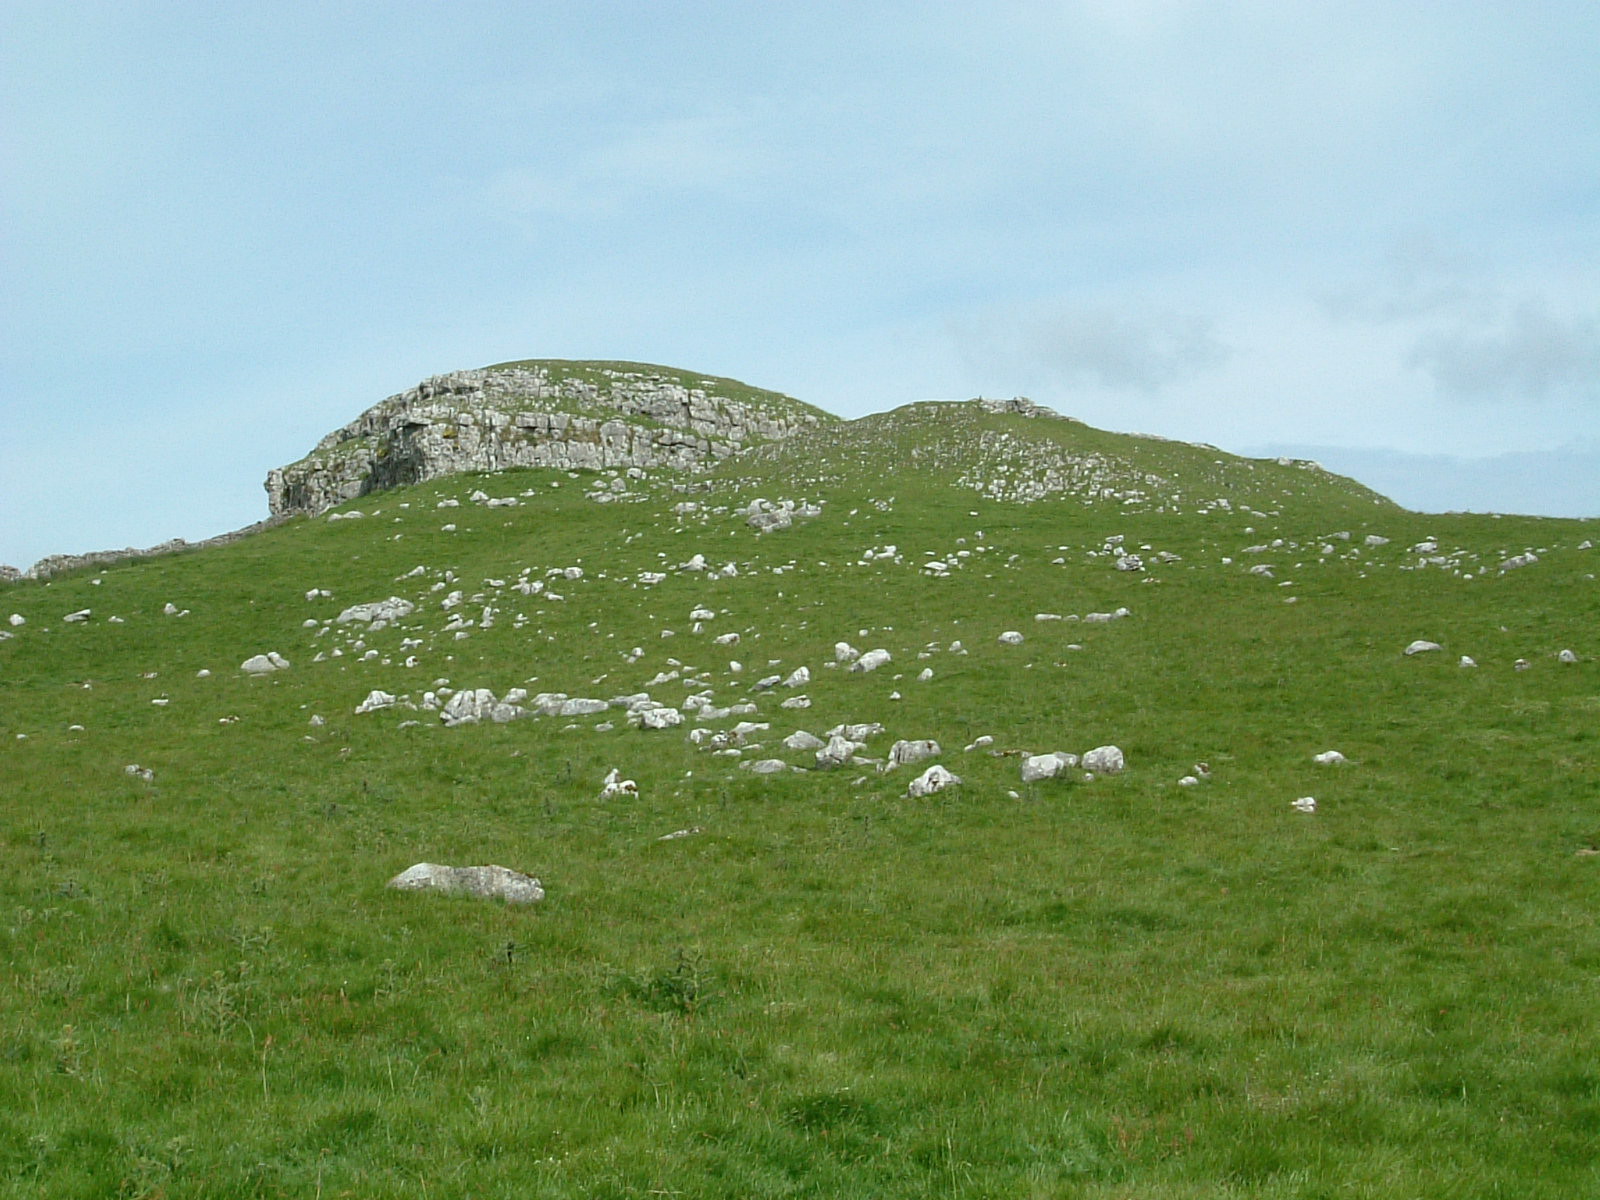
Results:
<point x="537" y="413"/>
<point x="845" y="893"/>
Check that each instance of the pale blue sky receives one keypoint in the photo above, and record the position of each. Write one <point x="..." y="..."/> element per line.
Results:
<point x="1369" y="228"/>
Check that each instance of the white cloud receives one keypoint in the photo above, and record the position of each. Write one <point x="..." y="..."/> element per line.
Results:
<point x="1474" y="336"/>
<point x="1528" y="353"/>
<point x="1120" y="348"/>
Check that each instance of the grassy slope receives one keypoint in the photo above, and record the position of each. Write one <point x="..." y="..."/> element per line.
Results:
<point x="1110" y="989"/>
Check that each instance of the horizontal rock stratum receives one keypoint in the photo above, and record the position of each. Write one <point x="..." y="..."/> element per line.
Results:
<point x="538" y="413"/>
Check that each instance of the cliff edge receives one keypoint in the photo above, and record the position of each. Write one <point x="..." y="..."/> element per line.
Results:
<point x="538" y="413"/>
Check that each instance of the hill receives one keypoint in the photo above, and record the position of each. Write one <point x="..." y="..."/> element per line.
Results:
<point x="1165" y="980"/>
<point x="537" y="413"/>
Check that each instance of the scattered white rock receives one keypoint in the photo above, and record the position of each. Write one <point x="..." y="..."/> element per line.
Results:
<point x="1104" y="759"/>
<point x="375" y="700"/>
<point x="1567" y="656"/>
<point x="979" y="743"/>
<point x="925" y="674"/>
<point x="934" y="779"/>
<point x="801" y="740"/>
<point x="1329" y="758"/>
<point x="799" y="677"/>
<point x="1421" y="647"/>
<point x="858" y="732"/>
<point x="766" y="766"/>
<point x="263" y="664"/>
<point x="16" y="619"/>
<point x="468" y="707"/>
<point x="616" y="785"/>
<point x="903" y="753"/>
<point x="391" y="609"/>
<point x="1306" y="804"/>
<point x="1046" y="766"/>
<point x="660" y="718"/>
<point x="1011" y="638"/>
<point x="870" y="661"/>
<point x="77" y="618"/>
<point x="1188" y="781"/>
<point x="1519" y="560"/>
<point x="837" y="752"/>
<point x="138" y="772"/>
<point x="1468" y="661"/>
<point x="493" y="883"/>
<point x="844" y="652"/>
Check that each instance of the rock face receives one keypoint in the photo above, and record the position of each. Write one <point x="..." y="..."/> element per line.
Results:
<point x="537" y="414"/>
<point x="492" y="883"/>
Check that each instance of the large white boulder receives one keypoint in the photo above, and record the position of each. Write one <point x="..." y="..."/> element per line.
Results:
<point x="858" y="732"/>
<point x="837" y="752"/>
<point x="391" y="609"/>
<point x="264" y="664"/>
<point x="469" y="706"/>
<point x="1046" y="766"/>
<point x="1103" y="760"/>
<point x="903" y="753"/>
<point x="870" y="661"/>
<point x="934" y="779"/>
<point x="375" y="700"/>
<point x="660" y="718"/>
<point x="494" y="883"/>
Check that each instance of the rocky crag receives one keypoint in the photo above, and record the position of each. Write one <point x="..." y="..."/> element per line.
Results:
<point x="546" y="413"/>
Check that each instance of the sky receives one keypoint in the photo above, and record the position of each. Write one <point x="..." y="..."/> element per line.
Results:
<point x="1364" y="232"/>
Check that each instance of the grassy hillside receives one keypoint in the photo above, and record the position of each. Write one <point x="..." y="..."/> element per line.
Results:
<point x="1112" y="987"/>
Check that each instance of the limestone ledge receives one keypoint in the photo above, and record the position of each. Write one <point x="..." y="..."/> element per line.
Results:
<point x="492" y="420"/>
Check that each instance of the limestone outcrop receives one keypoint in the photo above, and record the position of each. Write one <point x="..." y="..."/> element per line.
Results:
<point x="569" y="416"/>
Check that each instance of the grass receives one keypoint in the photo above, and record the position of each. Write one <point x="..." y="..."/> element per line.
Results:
<point x="1109" y="989"/>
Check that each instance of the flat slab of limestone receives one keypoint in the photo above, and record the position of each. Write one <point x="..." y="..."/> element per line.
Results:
<point x="492" y="883"/>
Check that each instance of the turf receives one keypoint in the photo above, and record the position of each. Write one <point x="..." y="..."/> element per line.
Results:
<point x="1118" y="987"/>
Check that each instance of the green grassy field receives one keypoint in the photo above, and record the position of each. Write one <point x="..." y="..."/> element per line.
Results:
<point x="1121" y="987"/>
